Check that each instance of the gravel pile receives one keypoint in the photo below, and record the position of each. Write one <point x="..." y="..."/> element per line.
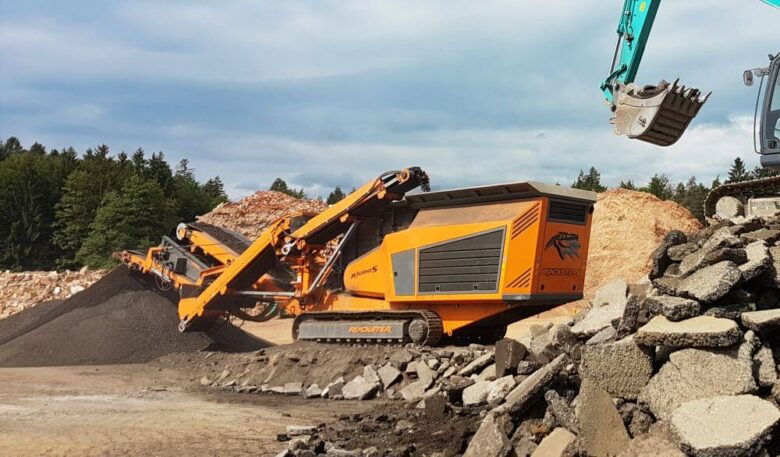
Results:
<point x="120" y="319"/>
<point x="681" y="364"/>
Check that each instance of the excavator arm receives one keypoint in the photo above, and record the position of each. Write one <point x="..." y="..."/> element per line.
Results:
<point x="657" y="114"/>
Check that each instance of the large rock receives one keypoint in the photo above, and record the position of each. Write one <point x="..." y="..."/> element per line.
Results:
<point x="360" y="389"/>
<point x="673" y="308"/>
<point x="602" y="432"/>
<point x="711" y="283"/>
<point x="491" y="438"/>
<point x="762" y="321"/>
<point x="766" y="235"/>
<point x="702" y="331"/>
<point x="758" y="260"/>
<point x="476" y="393"/>
<point x="724" y="426"/>
<point x="388" y="375"/>
<point x="691" y="374"/>
<point x="499" y="389"/>
<point x="597" y="319"/>
<point x="660" y="257"/>
<point x="559" y="443"/>
<point x="521" y="397"/>
<point x="509" y="353"/>
<point x="622" y="368"/>
<point x="612" y="293"/>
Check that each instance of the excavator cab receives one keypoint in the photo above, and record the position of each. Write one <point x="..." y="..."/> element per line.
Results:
<point x="767" y="140"/>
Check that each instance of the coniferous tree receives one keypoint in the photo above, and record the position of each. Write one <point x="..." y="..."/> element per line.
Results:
<point x="627" y="185"/>
<point x="590" y="181"/>
<point x="659" y="186"/>
<point x="215" y="189"/>
<point x="738" y="172"/>
<point x="336" y="196"/>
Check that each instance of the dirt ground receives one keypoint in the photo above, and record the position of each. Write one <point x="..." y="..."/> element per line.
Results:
<point x="143" y="410"/>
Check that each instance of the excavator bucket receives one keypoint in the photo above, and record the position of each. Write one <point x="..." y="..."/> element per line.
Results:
<point x="656" y="114"/>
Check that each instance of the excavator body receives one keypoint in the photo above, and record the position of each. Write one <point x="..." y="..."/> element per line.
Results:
<point x="387" y="267"/>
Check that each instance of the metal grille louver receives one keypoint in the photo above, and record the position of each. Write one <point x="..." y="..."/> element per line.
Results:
<point x="564" y="211"/>
<point x="470" y="264"/>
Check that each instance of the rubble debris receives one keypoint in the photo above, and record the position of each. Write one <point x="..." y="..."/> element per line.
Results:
<point x="509" y="353"/>
<point x="673" y="308"/>
<point x="519" y="399"/>
<point x="597" y="319"/>
<point x="724" y="425"/>
<point x="711" y="283"/>
<point x="491" y="439"/>
<point x="251" y="215"/>
<point x="660" y="257"/>
<point x="559" y="443"/>
<point x="761" y="321"/>
<point x="602" y="431"/>
<point x="691" y="374"/>
<point x="729" y="207"/>
<point x="20" y="291"/>
<point x="621" y="368"/>
<point x="700" y="331"/>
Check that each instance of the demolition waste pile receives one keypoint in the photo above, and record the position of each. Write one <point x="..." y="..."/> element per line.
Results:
<point x="674" y="355"/>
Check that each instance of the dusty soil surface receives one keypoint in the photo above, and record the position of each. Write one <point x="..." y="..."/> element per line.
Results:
<point x="143" y="410"/>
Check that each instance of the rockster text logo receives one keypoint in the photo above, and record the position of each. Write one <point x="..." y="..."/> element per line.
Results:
<point x="359" y="273"/>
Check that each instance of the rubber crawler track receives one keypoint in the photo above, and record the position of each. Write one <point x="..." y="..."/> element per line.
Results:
<point x="435" y="326"/>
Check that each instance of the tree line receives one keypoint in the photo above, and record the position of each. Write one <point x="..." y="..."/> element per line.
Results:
<point x="689" y="194"/>
<point x="60" y="209"/>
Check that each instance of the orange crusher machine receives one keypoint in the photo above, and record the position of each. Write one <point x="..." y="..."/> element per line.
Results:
<point x="385" y="267"/>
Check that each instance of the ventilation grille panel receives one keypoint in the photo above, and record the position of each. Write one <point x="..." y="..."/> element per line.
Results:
<point x="469" y="264"/>
<point x="566" y="211"/>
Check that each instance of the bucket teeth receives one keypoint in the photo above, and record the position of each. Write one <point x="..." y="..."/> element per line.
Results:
<point x="657" y="114"/>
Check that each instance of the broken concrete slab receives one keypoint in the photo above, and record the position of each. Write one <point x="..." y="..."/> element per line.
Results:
<point x="521" y="397"/>
<point x="499" y="389"/>
<point x="561" y="410"/>
<point x="312" y="391"/>
<point x="477" y="364"/>
<point x="630" y="320"/>
<point x="701" y="331"/>
<point x="293" y="388"/>
<point x="677" y="253"/>
<point x="602" y="432"/>
<point x="622" y="368"/>
<point x="691" y="374"/>
<point x="614" y="292"/>
<point x="660" y="258"/>
<point x="769" y="236"/>
<point x="333" y="390"/>
<point x="477" y="393"/>
<point x="598" y="319"/>
<point x="762" y="321"/>
<point x="667" y="285"/>
<point x="758" y="261"/>
<point x="733" y="311"/>
<point x="673" y="308"/>
<point x="559" y="443"/>
<point x="488" y="373"/>
<point x="764" y="367"/>
<point x="710" y="283"/>
<point x="509" y="353"/>
<point x="491" y="438"/>
<point x="360" y="388"/>
<point x="388" y="375"/>
<point x="604" y="336"/>
<point x="724" y="425"/>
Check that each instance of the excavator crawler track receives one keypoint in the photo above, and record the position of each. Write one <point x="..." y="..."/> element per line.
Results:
<point x="742" y="191"/>
<point x="377" y="327"/>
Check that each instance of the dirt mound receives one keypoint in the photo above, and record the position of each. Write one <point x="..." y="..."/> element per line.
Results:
<point x="627" y="227"/>
<point x="19" y="291"/>
<point x="120" y="319"/>
<point x="251" y="215"/>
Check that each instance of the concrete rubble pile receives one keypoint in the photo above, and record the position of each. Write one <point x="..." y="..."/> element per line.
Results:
<point x="19" y="291"/>
<point x="251" y="215"/>
<point x="683" y="363"/>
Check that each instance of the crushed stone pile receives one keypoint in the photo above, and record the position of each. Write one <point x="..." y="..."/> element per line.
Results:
<point x="19" y="291"/>
<point x="684" y="363"/>
<point x="251" y="215"/>
<point x="120" y="319"/>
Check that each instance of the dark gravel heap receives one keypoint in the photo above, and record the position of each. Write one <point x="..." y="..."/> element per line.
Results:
<point x="120" y="319"/>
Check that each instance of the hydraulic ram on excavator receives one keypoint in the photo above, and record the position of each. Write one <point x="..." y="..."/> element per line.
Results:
<point x="384" y="266"/>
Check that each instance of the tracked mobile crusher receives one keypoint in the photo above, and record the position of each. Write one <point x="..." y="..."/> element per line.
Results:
<point x="386" y="267"/>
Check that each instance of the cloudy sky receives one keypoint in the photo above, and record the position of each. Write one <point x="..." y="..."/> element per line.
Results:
<point x="333" y="92"/>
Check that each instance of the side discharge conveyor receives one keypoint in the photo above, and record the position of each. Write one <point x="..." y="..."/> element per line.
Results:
<point x="383" y="266"/>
